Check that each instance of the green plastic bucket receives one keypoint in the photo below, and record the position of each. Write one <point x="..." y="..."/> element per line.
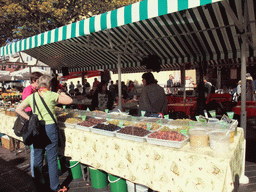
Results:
<point x="98" y="178"/>
<point x="117" y="184"/>
<point x="76" y="169"/>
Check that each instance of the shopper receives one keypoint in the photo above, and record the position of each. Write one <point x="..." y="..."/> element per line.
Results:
<point x="32" y="88"/>
<point x="49" y="143"/>
<point x="71" y="89"/>
<point x="170" y="84"/>
<point x="153" y="99"/>
<point x="79" y="86"/>
<point x="208" y="86"/>
<point x="102" y="98"/>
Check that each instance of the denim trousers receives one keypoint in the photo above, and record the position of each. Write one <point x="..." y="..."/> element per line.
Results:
<point x="32" y="160"/>
<point x="50" y="145"/>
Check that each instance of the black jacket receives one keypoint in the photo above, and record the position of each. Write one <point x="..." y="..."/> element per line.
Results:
<point x="95" y="101"/>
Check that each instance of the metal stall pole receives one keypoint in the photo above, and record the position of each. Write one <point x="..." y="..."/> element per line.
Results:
<point x="119" y="83"/>
<point x="243" y="86"/>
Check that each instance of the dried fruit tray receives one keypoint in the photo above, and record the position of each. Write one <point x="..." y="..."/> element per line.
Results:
<point x="130" y="137"/>
<point x="101" y="131"/>
<point x="69" y="125"/>
<point x="104" y="132"/>
<point x="84" y="128"/>
<point x="167" y="143"/>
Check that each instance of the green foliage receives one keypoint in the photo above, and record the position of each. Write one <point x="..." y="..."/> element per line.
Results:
<point x="20" y="19"/>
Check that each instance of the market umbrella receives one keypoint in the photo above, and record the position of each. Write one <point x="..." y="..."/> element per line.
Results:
<point x="25" y="73"/>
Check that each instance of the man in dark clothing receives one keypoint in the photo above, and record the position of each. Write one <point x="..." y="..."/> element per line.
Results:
<point x="208" y="86"/>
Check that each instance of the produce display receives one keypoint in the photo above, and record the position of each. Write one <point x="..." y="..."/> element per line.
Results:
<point x="91" y="122"/>
<point x="176" y="129"/>
<point x="107" y="127"/>
<point x="163" y="132"/>
<point x="132" y="130"/>
<point x="73" y="120"/>
<point x="116" y="122"/>
<point x="144" y="125"/>
<point x="180" y="122"/>
<point x="167" y="135"/>
<point x="198" y="138"/>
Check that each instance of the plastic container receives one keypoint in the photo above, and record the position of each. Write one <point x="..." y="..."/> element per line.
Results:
<point x="213" y="120"/>
<point x="130" y="137"/>
<point x="219" y="142"/>
<point x="84" y="128"/>
<point x="98" y="178"/>
<point x="117" y="184"/>
<point x="213" y="123"/>
<point x="139" y="188"/>
<point x="76" y="169"/>
<point x="103" y="132"/>
<point x="198" y="137"/>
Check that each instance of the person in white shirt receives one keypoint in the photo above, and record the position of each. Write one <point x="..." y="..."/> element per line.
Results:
<point x="79" y="87"/>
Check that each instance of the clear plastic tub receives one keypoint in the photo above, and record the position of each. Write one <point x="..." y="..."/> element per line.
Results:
<point x="220" y="141"/>
<point x="198" y="137"/>
<point x="213" y="123"/>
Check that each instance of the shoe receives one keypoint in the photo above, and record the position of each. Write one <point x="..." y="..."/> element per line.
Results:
<point x="64" y="189"/>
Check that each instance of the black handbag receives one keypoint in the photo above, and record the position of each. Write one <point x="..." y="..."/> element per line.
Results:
<point x="19" y="125"/>
<point x="31" y="131"/>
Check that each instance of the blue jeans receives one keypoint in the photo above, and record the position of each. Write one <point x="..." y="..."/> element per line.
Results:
<point x="32" y="160"/>
<point x="50" y="145"/>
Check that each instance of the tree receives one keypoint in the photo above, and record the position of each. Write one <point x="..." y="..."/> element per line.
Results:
<point x="20" y="19"/>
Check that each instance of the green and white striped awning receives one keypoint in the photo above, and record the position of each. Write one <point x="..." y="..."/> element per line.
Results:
<point x="178" y="31"/>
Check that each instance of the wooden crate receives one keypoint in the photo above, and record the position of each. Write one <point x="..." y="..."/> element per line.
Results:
<point x="6" y="144"/>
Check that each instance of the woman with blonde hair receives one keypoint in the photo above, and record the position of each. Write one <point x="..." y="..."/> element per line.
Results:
<point x="32" y="88"/>
<point x="48" y="141"/>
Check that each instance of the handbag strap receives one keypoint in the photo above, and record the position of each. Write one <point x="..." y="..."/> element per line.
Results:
<point x="34" y="102"/>
<point x="47" y="108"/>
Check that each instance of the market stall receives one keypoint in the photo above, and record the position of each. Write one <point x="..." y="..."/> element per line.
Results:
<point x="162" y="166"/>
<point x="199" y="33"/>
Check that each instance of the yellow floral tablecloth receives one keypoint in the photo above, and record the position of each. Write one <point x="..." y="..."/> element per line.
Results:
<point x="159" y="168"/>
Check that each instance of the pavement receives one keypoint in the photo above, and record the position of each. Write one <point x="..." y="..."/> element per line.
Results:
<point x="15" y="175"/>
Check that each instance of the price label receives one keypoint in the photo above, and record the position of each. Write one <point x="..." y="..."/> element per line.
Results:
<point x="64" y="106"/>
<point x="191" y="123"/>
<point x="106" y="110"/>
<point x="184" y="131"/>
<point x="121" y="123"/>
<point x="159" y="121"/>
<point x="213" y="113"/>
<point x="84" y="117"/>
<point x="149" y="125"/>
<point x="143" y="113"/>
<point x="230" y="114"/>
<point x="88" y="109"/>
<point x="225" y="118"/>
<point x="166" y="116"/>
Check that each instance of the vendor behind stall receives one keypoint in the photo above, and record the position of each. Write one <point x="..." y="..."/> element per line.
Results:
<point x="153" y="99"/>
<point x="102" y="98"/>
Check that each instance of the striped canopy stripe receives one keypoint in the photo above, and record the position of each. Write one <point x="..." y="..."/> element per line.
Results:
<point x="136" y="12"/>
<point x="180" y="32"/>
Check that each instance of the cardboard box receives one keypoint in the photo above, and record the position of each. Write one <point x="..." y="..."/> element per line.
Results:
<point x="6" y="144"/>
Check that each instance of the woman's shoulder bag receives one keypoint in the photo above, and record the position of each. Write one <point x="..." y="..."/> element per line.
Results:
<point x="31" y="131"/>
